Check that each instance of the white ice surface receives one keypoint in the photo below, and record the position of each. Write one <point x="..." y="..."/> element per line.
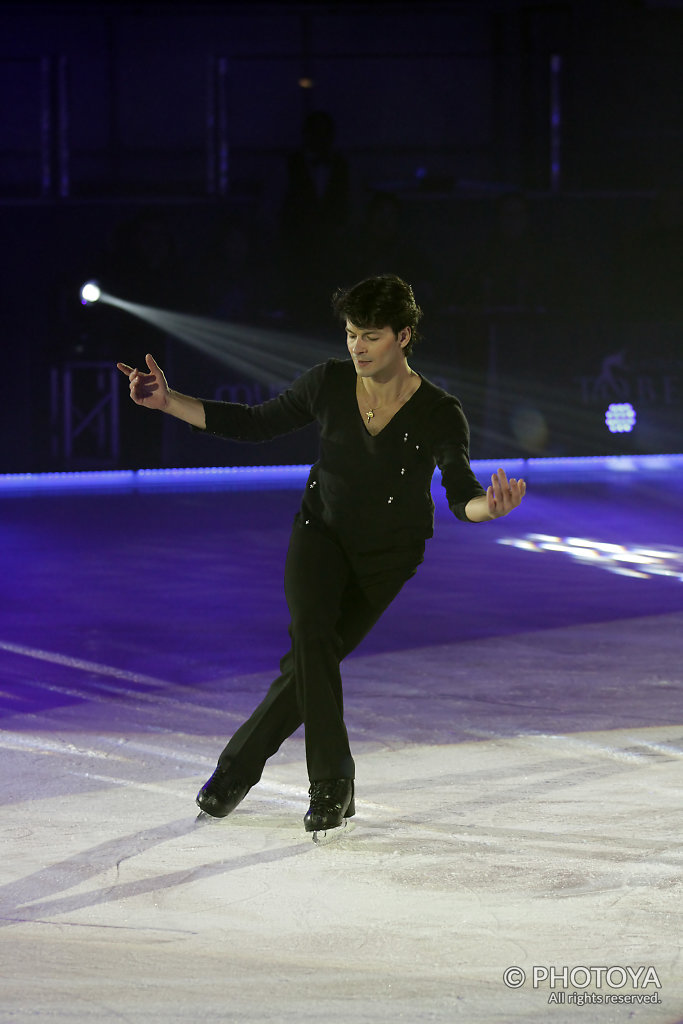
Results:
<point x="511" y="818"/>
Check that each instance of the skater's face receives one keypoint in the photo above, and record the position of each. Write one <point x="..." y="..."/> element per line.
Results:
<point x="376" y="351"/>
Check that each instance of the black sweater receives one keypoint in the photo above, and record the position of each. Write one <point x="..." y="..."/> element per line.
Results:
<point x="369" y="490"/>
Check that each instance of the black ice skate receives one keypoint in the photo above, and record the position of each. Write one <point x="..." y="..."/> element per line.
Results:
<point x="221" y="794"/>
<point x="332" y="804"/>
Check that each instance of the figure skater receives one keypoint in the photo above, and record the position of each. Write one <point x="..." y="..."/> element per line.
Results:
<point x="359" y="534"/>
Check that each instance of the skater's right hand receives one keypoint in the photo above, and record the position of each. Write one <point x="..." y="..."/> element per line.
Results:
<point x="148" y="389"/>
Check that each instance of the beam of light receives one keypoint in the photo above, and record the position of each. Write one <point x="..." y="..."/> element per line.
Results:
<point x="274" y="358"/>
<point x="271" y="357"/>
<point x="267" y="356"/>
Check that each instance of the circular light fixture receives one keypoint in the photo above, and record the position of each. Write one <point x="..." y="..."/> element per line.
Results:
<point x="90" y="292"/>
<point x="620" y="418"/>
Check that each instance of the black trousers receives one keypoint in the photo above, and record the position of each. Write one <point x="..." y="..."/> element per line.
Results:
<point x="333" y="602"/>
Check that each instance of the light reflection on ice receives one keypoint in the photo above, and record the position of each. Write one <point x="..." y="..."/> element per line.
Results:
<point x="651" y="561"/>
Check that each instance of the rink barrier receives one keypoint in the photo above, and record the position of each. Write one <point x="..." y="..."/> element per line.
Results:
<point x="286" y="477"/>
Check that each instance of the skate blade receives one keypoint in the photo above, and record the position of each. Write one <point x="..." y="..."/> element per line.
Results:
<point x="332" y="834"/>
<point x="204" y="819"/>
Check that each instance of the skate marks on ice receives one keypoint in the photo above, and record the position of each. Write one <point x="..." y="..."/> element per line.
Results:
<point x="466" y="858"/>
<point x="589" y="789"/>
<point x="506" y="820"/>
<point x="545" y="815"/>
<point x="27" y="898"/>
<point x="67" y="682"/>
<point x="472" y="795"/>
<point x="55" y="837"/>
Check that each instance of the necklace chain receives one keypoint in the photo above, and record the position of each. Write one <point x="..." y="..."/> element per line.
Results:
<point x="370" y="414"/>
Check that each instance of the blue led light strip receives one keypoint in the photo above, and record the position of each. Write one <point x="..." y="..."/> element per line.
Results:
<point x="149" y="479"/>
<point x="240" y="477"/>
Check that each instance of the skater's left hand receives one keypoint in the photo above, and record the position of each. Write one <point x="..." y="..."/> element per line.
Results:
<point x="504" y="495"/>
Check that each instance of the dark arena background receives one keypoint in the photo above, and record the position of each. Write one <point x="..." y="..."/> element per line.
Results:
<point x="218" y="170"/>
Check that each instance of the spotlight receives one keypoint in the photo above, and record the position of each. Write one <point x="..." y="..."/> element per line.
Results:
<point x="620" y="418"/>
<point x="90" y="292"/>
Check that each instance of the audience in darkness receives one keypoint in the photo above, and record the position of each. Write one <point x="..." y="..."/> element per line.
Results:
<point x="143" y="263"/>
<point x="144" y="266"/>
<point x="315" y="219"/>
<point x="384" y="243"/>
<point x="508" y="270"/>
<point x="231" y="280"/>
<point x="649" y="277"/>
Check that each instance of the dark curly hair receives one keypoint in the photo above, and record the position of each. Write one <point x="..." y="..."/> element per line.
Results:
<point x="382" y="301"/>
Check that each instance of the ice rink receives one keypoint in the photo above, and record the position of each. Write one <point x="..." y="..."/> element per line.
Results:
<point x="516" y="720"/>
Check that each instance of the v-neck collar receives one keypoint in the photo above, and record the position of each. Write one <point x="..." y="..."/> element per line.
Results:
<point x="397" y="413"/>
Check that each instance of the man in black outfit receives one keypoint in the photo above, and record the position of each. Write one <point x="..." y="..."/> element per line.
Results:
<point x="360" y="533"/>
